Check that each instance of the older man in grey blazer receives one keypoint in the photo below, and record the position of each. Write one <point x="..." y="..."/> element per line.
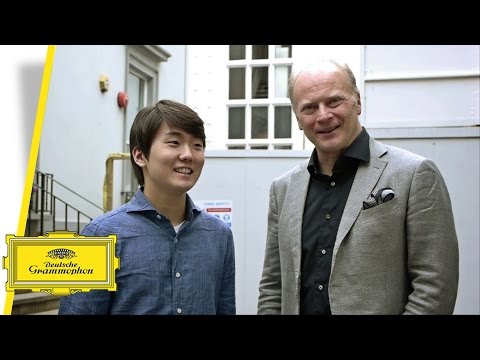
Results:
<point x="361" y="227"/>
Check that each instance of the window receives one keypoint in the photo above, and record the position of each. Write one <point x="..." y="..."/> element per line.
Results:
<point x="259" y="110"/>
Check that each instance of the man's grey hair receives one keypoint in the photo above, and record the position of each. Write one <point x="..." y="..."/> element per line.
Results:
<point x="296" y="71"/>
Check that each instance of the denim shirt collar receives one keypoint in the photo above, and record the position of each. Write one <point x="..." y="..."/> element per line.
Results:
<point x="140" y="203"/>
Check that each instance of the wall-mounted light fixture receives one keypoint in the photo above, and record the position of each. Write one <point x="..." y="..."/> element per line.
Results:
<point x="104" y="83"/>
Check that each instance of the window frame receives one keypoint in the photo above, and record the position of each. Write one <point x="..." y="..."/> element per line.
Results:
<point x="270" y="102"/>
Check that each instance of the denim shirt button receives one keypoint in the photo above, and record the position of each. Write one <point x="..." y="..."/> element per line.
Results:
<point x="179" y="311"/>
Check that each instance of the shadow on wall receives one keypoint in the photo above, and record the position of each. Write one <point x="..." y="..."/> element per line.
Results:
<point x="30" y="80"/>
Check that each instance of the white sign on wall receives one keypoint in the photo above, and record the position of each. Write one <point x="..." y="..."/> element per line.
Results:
<point x="221" y="209"/>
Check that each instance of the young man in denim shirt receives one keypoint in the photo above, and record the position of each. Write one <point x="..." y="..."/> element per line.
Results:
<point x="174" y="258"/>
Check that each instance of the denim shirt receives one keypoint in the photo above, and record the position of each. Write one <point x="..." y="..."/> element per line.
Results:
<point x="161" y="271"/>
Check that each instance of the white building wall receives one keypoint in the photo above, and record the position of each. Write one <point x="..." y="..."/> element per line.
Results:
<point x="426" y="99"/>
<point x="82" y="125"/>
<point x="421" y="86"/>
<point x="171" y="84"/>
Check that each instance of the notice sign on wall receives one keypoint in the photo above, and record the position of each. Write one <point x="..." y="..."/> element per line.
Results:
<point x="221" y="209"/>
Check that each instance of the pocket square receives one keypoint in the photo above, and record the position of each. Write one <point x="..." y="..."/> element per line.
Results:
<point x="381" y="196"/>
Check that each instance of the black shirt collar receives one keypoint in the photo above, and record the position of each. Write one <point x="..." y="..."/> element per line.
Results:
<point x="359" y="149"/>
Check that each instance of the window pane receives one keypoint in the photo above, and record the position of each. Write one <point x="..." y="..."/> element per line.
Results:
<point x="260" y="122"/>
<point x="283" y="122"/>
<point x="283" y="51"/>
<point x="260" y="82"/>
<point x="236" y="123"/>
<point x="259" y="147"/>
<point x="237" y="52"/>
<point x="281" y="81"/>
<point x="283" y="147"/>
<point x="236" y="147"/>
<point x="237" y="83"/>
<point x="259" y="51"/>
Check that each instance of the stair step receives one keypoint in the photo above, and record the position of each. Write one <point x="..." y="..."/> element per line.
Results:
<point x="34" y="302"/>
<point x="37" y="216"/>
<point x="47" y="312"/>
<point x="29" y="297"/>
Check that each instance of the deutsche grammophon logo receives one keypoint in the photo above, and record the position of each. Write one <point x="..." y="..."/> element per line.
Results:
<point x="61" y="254"/>
<point x="60" y="267"/>
<point x="61" y="263"/>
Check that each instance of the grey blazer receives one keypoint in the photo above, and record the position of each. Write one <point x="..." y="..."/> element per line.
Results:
<point x="399" y="257"/>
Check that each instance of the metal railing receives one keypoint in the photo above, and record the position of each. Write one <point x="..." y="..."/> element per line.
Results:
<point x="44" y="203"/>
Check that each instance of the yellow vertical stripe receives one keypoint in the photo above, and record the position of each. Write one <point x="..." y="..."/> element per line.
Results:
<point x="32" y="160"/>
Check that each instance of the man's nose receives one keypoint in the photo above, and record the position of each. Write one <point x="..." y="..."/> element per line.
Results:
<point x="186" y="153"/>
<point x="323" y="112"/>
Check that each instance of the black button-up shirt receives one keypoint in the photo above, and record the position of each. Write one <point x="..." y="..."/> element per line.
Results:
<point x="326" y="199"/>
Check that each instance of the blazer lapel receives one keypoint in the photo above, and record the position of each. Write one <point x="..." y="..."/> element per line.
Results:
<point x="295" y="197"/>
<point x="365" y="180"/>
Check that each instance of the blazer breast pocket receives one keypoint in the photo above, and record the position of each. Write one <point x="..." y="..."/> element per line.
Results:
<point x="389" y="208"/>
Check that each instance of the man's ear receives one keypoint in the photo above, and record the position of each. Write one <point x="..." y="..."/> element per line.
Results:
<point x="359" y="106"/>
<point x="138" y="157"/>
